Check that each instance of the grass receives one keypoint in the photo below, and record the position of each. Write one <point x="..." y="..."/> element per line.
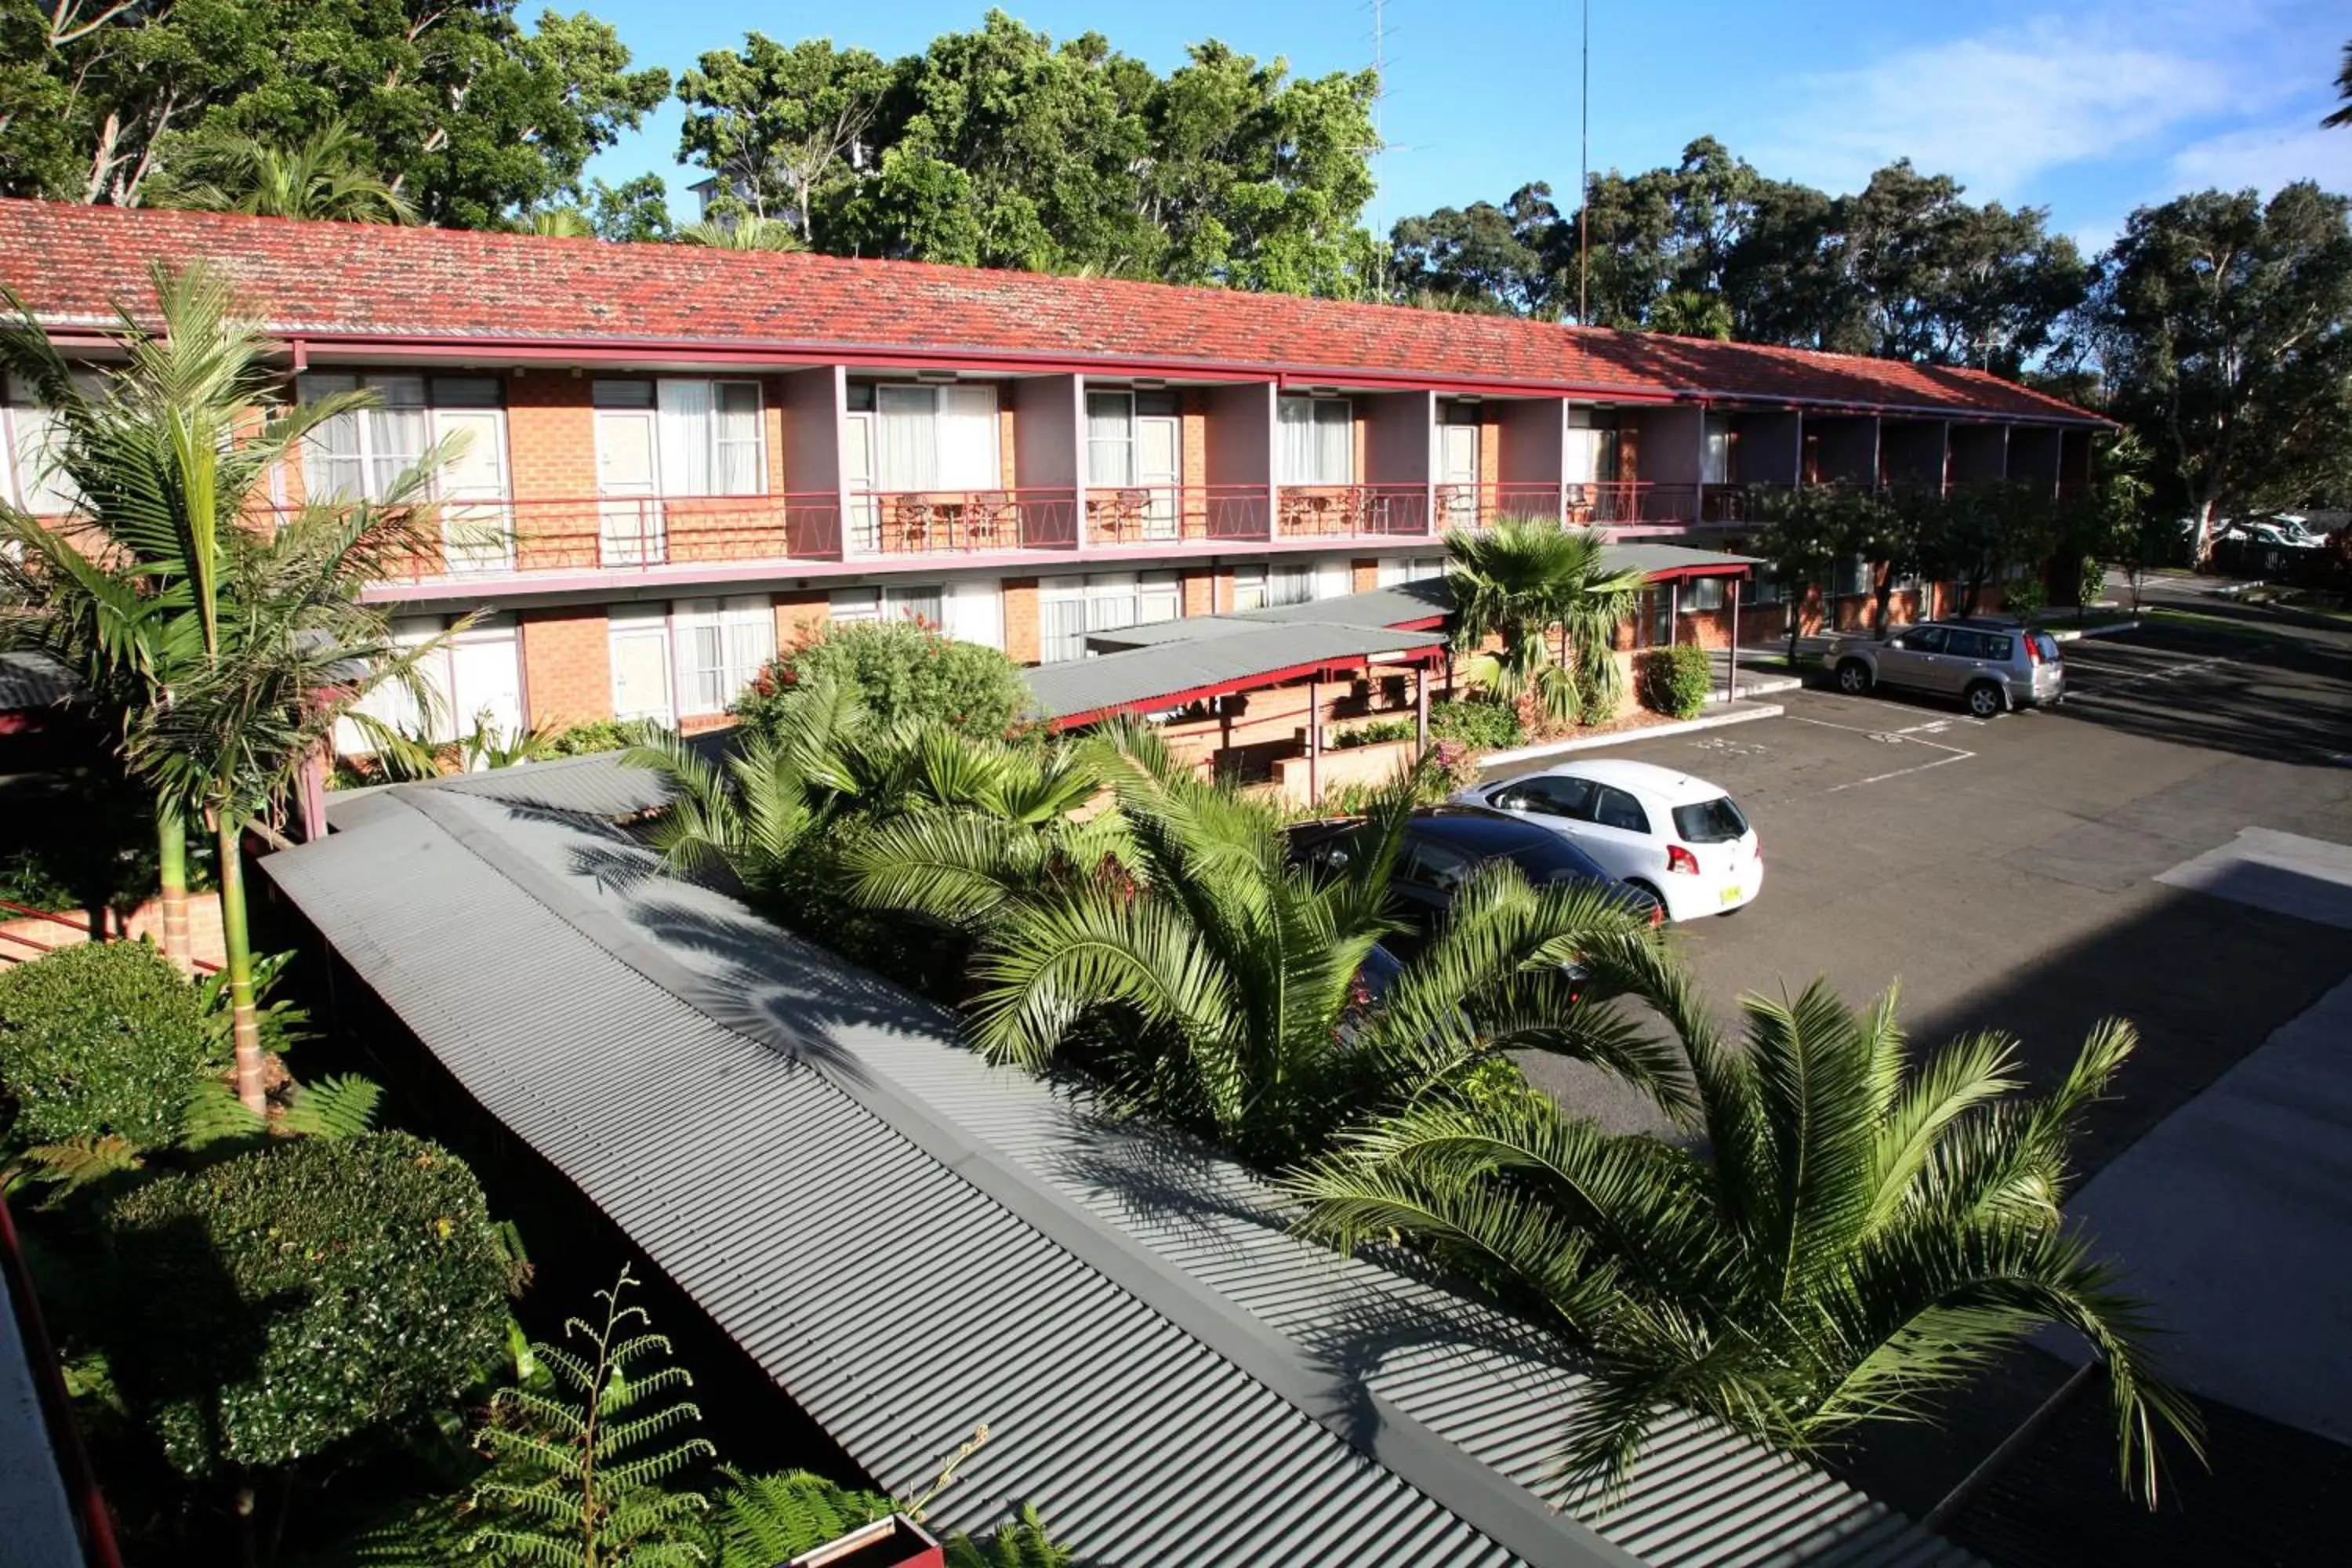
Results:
<point x="2196" y="620"/>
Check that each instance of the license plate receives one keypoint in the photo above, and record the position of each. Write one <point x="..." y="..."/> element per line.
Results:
<point x="1730" y="895"/>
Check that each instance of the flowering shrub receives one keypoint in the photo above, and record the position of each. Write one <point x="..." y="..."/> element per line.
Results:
<point x="904" y="668"/>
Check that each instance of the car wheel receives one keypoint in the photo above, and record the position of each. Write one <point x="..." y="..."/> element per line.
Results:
<point x="1985" y="700"/>
<point x="1656" y="900"/>
<point x="1853" y="678"/>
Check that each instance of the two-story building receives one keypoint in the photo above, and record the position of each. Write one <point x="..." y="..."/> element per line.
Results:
<point x="673" y="459"/>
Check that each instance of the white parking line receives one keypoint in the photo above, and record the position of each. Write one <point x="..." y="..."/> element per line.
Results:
<point x="1898" y="737"/>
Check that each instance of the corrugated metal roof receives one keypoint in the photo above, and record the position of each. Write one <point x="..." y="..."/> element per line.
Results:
<point x="912" y="1242"/>
<point x="1227" y="652"/>
<point x="29" y="680"/>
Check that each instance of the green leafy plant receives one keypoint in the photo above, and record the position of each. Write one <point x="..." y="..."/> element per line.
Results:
<point x="601" y="735"/>
<point x="1378" y="733"/>
<point x="2025" y="598"/>
<point x="314" y="1293"/>
<point x="1674" y="680"/>
<point x="1512" y="585"/>
<point x="896" y="670"/>
<point x="1865" y="1229"/>
<point x="1478" y="723"/>
<point x="99" y="1040"/>
<point x="579" y="1475"/>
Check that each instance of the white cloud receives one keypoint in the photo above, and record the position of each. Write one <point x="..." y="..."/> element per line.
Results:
<point x="1999" y="109"/>
<point x="2266" y="157"/>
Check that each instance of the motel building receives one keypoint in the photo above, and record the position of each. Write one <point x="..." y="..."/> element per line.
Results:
<point x="677" y="459"/>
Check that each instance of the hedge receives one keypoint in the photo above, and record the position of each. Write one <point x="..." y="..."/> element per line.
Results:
<point x="285" y="1301"/>
<point x="99" y="1037"/>
<point x="1478" y="723"/>
<point x="1675" y="680"/>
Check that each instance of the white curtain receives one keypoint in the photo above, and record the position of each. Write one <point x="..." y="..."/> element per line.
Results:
<point x="1583" y="457"/>
<point x="739" y="439"/>
<point x="1714" y="459"/>
<point x="1159" y="596"/>
<point x="396" y="431"/>
<point x="684" y="438"/>
<point x="909" y="417"/>
<point x="1296" y="419"/>
<point x="969" y="457"/>
<point x="1110" y="440"/>
<point x="1335" y="443"/>
<point x="1061" y="624"/>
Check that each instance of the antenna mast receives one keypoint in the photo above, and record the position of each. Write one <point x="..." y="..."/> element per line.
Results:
<point x="1379" y="147"/>
<point x="1584" y="179"/>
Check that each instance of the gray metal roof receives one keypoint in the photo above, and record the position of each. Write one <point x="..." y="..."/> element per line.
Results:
<point x="912" y="1242"/>
<point x="31" y="680"/>
<point x="1226" y="652"/>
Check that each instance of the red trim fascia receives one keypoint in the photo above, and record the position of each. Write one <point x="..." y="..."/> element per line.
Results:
<point x="74" y="1472"/>
<point x="1332" y="666"/>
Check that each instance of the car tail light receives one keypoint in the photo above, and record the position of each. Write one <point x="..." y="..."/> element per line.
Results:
<point x="1681" y="859"/>
<point x="2032" y="651"/>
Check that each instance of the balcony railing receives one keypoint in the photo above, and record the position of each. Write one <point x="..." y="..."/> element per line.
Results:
<point x="1170" y="514"/>
<point x="1351" y="511"/>
<point x="961" y="523"/>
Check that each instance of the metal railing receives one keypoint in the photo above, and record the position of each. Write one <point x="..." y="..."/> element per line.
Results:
<point x="1172" y="515"/>
<point x="1352" y="511"/>
<point x="961" y="523"/>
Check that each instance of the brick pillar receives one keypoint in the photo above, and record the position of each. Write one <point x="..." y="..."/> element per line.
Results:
<point x="1021" y="619"/>
<point x="1200" y="593"/>
<point x="1367" y="575"/>
<point x="567" y="668"/>
<point x="801" y="613"/>
<point x="551" y="455"/>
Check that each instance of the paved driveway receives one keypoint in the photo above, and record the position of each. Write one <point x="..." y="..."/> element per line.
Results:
<point x="2032" y="875"/>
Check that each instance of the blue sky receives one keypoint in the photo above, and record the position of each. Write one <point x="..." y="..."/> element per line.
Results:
<point x="2089" y="108"/>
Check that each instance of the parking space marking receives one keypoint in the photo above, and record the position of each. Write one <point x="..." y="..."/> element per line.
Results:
<point x="1893" y="738"/>
<point x="2111" y="679"/>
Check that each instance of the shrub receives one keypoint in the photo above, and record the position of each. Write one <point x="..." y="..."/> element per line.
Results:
<point x="1675" y="680"/>
<point x="104" y="1037"/>
<point x="1478" y="723"/>
<point x="600" y="735"/>
<point x="2092" y="585"/>
<point x="899" y="670"/>
<point x="1378" y="733"/>
<point x="2025" y="597"/>
<point x="314" y="1292"/>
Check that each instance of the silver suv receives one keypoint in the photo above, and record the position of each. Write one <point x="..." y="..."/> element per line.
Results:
<point x="1992" y="666"/>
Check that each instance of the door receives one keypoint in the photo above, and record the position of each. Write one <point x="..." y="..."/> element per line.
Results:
<point x="1159" y="471"/>
<point x="486" y="684"/>
<point x="628" y="487"/>
<point x="858" y="478"/>
<point x="641" y="673"/>
<point x="1913" y="658"/>
<point x="476" y="530"/>
<point x="1618" y="835"/>
<point x="1427" y="873"/>
<point x="1457" y="475"/>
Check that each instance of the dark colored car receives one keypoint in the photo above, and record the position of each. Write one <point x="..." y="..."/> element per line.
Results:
<point x="1443" y="844"/>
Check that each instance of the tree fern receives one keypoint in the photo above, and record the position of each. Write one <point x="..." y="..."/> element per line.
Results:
<point x="581" y="1476"/>
<point x="339" y="1107"/>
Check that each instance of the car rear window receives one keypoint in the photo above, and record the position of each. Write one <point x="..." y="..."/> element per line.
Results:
<point x="2046" y="646"/>
<point x="1717" y="821"/>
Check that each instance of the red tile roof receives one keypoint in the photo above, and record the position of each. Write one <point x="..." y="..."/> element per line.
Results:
<point x="346" y="282"/>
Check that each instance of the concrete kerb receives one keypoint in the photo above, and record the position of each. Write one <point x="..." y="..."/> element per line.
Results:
<point x="2076" y="634"/>
<point x="1741" y="712"/>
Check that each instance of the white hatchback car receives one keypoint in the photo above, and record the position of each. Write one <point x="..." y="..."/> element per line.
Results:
<point x="1678" y="839"/>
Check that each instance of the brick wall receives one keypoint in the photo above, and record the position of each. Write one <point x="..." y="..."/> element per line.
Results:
<point x="1004" y="439"/>
<point x="1367" y="575"/>
<point x="1192" y="437"/>
<point x="567" y="674"/>
<point x="1200" y="593"/>
<point x="1021" y="619"/>
<point x="798" y="614"/>
<point x="551" y="457"/>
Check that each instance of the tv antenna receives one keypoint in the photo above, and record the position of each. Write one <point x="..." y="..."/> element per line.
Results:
<point x="1584" y="179"/>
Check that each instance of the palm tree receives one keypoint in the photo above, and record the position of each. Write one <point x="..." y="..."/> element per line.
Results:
<point x="2343" y="116"/>
<point x="747" y="232"/>
<point x="1213" y="983"/>
<point x="558" y="223"/>
<point x="1692" y="314"/>
<point x="1514" y="582"/>
<point x="1867" y="1229"/>
<point x="323" y="176"/>
<point x="253" y="642"/>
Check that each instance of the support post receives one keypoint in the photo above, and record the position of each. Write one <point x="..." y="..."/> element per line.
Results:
<point x="1421" y="706"/>
<point x="1674" y="612"/>
<point x="1315" y="739"/>
<point x="1731" y="693"/>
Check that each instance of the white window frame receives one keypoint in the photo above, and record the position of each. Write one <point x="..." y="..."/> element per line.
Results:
<point x="1321" y="411"/>
<point x="1701" y="596"/>
<point x="1265" y="585"/>
<point x="1070" y="609"/>
<point x="742" y="632"/>
<point x="1095" y="477"/>
<point x="649" y="622"/>
<point x="444" y="722"/>
<point x="714" y="440"/>
<point x="930" y="461"/>
<point x="312" y="386"/>
<point x="1398" y="570"/>
<point x="28" y="436"/>
<point x="887" y="601"/>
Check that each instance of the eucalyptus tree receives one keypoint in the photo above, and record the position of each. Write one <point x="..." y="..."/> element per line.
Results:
<point x="1863" y="1229"/>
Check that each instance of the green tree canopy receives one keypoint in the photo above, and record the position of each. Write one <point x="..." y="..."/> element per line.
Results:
<point x="1000" y="148"/>
<point x="2221" y="327"/>
<point x="466" y="112"/>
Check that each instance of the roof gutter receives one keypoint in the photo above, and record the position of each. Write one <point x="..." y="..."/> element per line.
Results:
<point x="1348" y="664"/>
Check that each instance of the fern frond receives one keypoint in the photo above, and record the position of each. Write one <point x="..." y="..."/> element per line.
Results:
<point x="343" y="1106"/>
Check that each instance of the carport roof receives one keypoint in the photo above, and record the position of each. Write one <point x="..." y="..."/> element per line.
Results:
<point x="1220" y="654"/>
<point x="910" y="1241"/>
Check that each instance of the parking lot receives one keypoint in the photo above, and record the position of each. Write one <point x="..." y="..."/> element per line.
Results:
<point x="2037" y="872"/>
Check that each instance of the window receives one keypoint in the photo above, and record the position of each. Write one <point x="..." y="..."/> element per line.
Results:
<point x="1397" y="570"/>
<point x="1991" y="646"/>
<point x="706" y="437"/>
<point x="1717" y="449"/>
<point x="476" y="677"/>
<point x="721" y="643"/>
<point x="1717" y="821"/>
<point x="30" y="442"/>
<point x="1548" y="796"/>
<point x="937" y="437"/>
<point x="1764" y="588"/>
<point x="1927" y="639"/>
<point x="1852" y="576"/>
<point x="923" y="601"/>
<point x="1318" y="440"/>
<point x="1612" y="807"/>
<point x="1702" y="594"/>
<point x="361" y="453"/>
<point x="1110" y="439"/>
<point x="1068" y="608"/>
<point x="1265" y="587"/>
